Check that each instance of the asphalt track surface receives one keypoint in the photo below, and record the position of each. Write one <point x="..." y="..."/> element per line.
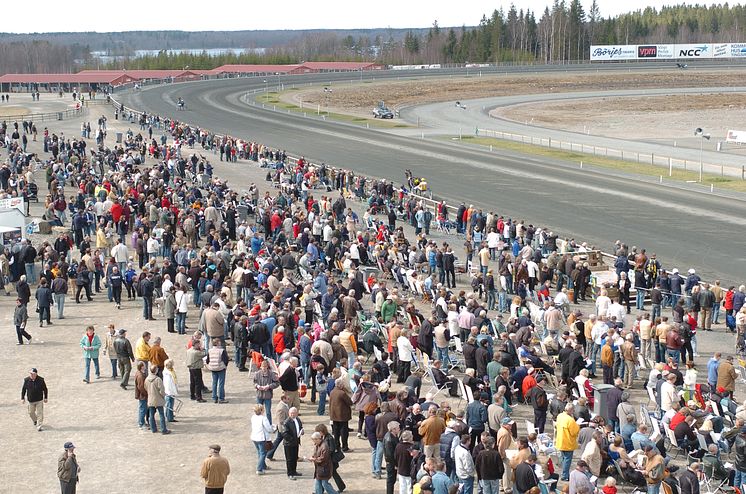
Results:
<point x="685" y="228"/>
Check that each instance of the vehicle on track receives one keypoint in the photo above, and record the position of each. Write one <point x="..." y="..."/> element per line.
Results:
<point x="381" y="111"/>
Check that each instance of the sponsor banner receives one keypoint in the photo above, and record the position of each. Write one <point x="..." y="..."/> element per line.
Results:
<point x="647" y="51"/>
<point x="699" y="50"/>
<point x="613" y="52"/>
<point x="721" y="50"/>
<point x="665" y="51"/>
<point x="736" y="136"/>
<point x="13" y="202"/>
<point x="738" y="49"/>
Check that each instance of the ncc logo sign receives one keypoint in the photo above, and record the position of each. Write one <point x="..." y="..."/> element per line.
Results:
<point x="689" y="51"/>
<point x="647" y="51"/>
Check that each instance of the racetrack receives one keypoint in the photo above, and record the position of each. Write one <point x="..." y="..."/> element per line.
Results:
<point x="683" y="227"/>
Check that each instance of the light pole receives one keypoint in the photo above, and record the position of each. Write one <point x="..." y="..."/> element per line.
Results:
<point x="278" y="81"/>
<point x="701" y="133"/>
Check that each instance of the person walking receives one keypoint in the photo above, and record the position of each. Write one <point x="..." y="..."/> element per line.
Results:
<point x="260" y="435"/>
<point x="322" y="461"/>
<point x="90" y="343"/>
<point x="34" y="391"/>
<point x="293" y="430"/>
<point x="44" y="302"/>
<point x="195" y="363"/>
<point x="20" y="319"/>
<point x="68" y="470"/>
<point x="156" y="400"/>
<point x="141" y="395"/>
<point x="217" y="362"/>
<point x="59" y="288"/>
<point x="116" y="280"/>
<point x="265" y="381"/>
<point x="125" y="357"/>
<point x="214" y="471"/>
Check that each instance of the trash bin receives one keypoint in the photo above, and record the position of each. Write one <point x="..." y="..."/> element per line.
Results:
<point x="119" y="137"/>
<point x="600" y="395"/>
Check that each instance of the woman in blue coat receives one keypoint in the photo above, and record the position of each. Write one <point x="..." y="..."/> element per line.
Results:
<point x="90" y="343"/>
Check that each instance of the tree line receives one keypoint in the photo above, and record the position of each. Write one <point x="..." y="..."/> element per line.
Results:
<point x="564" y="31"/>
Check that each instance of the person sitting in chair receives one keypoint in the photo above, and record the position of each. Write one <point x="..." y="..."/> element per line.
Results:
<point x="442" y="379"/>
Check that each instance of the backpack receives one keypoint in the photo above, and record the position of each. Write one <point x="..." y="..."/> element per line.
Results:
<point x="72" y="271"/>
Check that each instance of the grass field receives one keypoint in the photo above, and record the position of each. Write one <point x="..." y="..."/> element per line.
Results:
<point x="273" y="99"/>
<point x="730" y="183"/>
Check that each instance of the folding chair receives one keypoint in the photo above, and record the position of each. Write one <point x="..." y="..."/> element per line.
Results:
<point x="651" y="398"/>
<point x="530" y="427"/>
<point x="623" y="480"/>
<point x="435" y="387"/>
<point x="711" y="484"/>
<point x="674" y="444"/>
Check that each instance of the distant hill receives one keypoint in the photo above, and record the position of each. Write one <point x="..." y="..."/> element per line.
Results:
<point x="126" y="43"/>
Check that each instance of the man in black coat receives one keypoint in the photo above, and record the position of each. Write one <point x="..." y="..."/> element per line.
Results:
<point x="425" y="336"/>
<point x="146" y="291"/>
<point x="689" y="479"/>
<point x="525" y="476"/>
<point x="291" y="442"/>
<point x="390" y="442"/>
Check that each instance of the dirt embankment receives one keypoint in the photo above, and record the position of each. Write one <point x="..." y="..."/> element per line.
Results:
<point x="359" y="99"/>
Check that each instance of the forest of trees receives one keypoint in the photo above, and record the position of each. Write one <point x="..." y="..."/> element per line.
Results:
<point x="564" y="31"/>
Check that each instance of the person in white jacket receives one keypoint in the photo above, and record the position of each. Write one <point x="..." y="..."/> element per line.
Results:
<point x="261" y="431"/>
<point x="182" y="307"/>
<point x="171" y="386"/>
<point x="464" y="465"/>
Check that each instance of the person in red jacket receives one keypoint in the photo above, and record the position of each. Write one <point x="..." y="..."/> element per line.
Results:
<point x="278" y="340"/>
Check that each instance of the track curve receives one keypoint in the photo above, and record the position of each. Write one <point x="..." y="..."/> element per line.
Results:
<point x="684" y="228"/>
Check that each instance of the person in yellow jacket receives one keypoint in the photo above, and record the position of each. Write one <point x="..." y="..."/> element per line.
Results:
<point x="566" y="440"/>
<point x="142" y="351"/>
<point x="347" y="340"/>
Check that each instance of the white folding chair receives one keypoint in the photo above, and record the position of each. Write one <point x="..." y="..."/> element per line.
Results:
<point x="673" y="442"/>
<point x="530" y="429"/>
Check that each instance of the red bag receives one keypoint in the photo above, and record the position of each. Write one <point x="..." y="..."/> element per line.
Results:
<point x="302" y="390"/>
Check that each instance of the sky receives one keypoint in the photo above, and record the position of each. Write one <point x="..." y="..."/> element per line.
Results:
<point x="232" y="15"/>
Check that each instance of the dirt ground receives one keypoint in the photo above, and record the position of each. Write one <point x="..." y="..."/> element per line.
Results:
<point x="13" y="111"/>
<point x="636" y="118"/>
<point x="359" y="99"/>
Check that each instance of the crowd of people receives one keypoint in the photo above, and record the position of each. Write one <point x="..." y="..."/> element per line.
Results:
<point x="354" y="310"/>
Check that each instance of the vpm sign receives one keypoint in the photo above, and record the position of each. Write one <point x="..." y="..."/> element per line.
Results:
<point x="702" y="50"/>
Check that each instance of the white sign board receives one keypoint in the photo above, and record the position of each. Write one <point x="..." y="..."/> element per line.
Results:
<point x="613" y="52"/>
<point x="736" y="136"/>
<point x="13" y="202"/>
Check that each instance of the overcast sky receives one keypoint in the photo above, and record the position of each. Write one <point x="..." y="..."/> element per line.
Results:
<point x="230" y="15"/>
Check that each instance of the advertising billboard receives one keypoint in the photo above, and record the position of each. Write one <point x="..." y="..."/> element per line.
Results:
<point x="693" y="50"/>
<point x="613" y="52"/>
<point x="738" y="50"/>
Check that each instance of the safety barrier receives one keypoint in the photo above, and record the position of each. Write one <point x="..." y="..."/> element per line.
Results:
<point x="620" y="154"/>
<point x="46" y="117"/>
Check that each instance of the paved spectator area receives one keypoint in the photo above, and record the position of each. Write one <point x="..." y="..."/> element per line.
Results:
<point x="101" y="419"/>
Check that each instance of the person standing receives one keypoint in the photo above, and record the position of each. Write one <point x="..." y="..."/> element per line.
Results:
<point x="44" y="302"/>
<point x="260" y="434"/>
<point x="110" y="351"/>
<point x="68" y="470"/>
<point x="156" y="400"/>
<point x="34" y="391"/>
<point x="566" y="438"/>
<point x="217" y="362"/>
<point x="195" y="364"/>
<point x="282" y="412"/>
<point x="293" y="430"/>
<point x="489" y="468"/>
<point x="59" y="288"/>
<point x="171" y="385"/>
<point x="20" y="319"/>
<point x="142" y="351"/>
<point x="146" y="292"/>
<point x="214" y="471"/>
<point x="125" y="357"/>
<point x="654" y="469"/>
<point x="141" y="395"/>
<point x="340" y="413"/>
<point x="90" y="343"/>
<point x="465" y="464"/>
<point x="115" y="282"/>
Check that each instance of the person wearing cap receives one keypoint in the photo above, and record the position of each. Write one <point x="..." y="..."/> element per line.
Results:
<point x="34" y="390"/>
<point x="676" y="283"/>
<point x="124" y="356"/>
<point x="503" y="442"/>
<point x="214" y="471"/>
<point x="68" y="470"/>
